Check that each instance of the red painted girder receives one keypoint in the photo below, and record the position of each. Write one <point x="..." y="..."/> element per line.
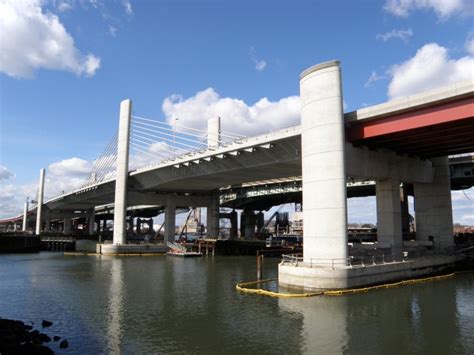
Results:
<point x="441" y="113"/>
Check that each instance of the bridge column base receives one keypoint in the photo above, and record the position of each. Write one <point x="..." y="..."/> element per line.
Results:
<point x="305" y="277"/>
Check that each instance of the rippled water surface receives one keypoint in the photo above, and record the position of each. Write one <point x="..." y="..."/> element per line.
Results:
<point x="170" y="305"/>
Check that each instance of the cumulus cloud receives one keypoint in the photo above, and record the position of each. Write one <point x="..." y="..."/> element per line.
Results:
<point x="404" y="35"/>
<point x="431" y="67"/>
<point x="470" y="44"/>
<point x="32" y="39"/>
<point x="5" y="174"/>
<point x="442" y="8"/>
<point x="236" y="115"/>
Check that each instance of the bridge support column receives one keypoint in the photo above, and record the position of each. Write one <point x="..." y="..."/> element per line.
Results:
<point x="260" y="221"/>
<point x="389" y="219"/>
<point x="170" y="220"/>
<point x="247" y="224"/>
<point x="404" y="209"/>
<point x="233" y="225"/>
<point x="67" y="225"/>
<point x="120" y="205"/>
<point x="212" y="218"/>
<point x="39" y="208"/>
<point x="91" y="221"/>
<point x="433" y="207"/>
<point x="323" y="164"/>
<point x="25" y="216"/>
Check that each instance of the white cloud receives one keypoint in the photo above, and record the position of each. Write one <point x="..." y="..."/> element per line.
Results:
<point x="442" y="8"/>
<point x="70" y="167"/>
<point x="127" y="6"/>
<point x="31" y="39"/>
<point x="373" y="78"/>
<point x="236" y="115"/>
<point x="64" y="6"/>
<point x="404" y="35"/>
<point x="260" y="64"/>
<point x="5" y="174"/>
<point x="431" y="67"/>
<point x="112" y="30"/>
<point x="470" y="44"/>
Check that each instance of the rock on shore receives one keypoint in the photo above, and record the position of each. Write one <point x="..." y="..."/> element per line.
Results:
<point x="17" y="337"/>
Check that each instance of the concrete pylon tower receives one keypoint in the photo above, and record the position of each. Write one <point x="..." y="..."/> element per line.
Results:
<point x="323" y="164"/>
<point x="120" y="204"/>
<point x="39" y="208"/>
<point x="25" y="216"/>
<point x="213" y="132"/>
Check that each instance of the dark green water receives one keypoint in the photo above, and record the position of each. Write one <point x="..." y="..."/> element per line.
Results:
<point x="143" y="305"/>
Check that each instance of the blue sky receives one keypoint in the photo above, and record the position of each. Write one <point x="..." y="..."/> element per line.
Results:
<point x="66" y="65"/>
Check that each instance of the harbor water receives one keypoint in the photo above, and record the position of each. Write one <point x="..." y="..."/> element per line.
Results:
<point x="166" y="305"/>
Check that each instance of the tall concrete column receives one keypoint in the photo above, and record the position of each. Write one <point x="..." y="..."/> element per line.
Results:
<point x="91" y="217"/>
<point x="213" y="132"/>
<point x="170" y="220"/>
<point x="25" y="216"/>
<point x="67" y="225"/>
<point x="404" y="210"/>
<point x="212" y="218"/>
<point x="39" y="208"/>
<point x="389" y="217"/>
<point x="233" y="224"/>
<point x="120" y="205"/>
<point x="248" y="222"/>
<point x="323" y="164"/>
<point x="433" y="207"/>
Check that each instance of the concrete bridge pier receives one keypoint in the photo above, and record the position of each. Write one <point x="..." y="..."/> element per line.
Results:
<point x="120" y="204"/>
<point x="67" y="224"/>
<point x="212" y="218"/>
<point x="91" y="220"/>
<point x="170" y="219"/>
<point x="39" y="209"/>
<point x="323" y="164"/>
<point x="247" y="224"/>
<point x="433" y="207"/>
<point x="389" y="218"/>
<point x="25" y="216"/>
<point x="233" y="225"/>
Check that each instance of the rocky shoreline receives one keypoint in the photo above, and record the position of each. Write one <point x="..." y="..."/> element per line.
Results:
<point x="17" y="337"/>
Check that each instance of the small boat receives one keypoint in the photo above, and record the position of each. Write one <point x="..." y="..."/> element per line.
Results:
<point x="180" y="250"/>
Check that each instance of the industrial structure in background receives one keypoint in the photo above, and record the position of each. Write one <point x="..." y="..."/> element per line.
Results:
<point x="391" y="150"/>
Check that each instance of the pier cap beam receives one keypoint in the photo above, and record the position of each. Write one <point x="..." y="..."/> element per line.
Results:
<point x="323" y="164"/>
<point x="120" y="204"/>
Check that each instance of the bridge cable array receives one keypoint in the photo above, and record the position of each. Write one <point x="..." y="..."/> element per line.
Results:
<point x="153" y="141"/>
<point x="104" y="166"/>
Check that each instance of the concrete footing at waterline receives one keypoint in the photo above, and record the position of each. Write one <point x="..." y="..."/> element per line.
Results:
<point x="131" y="249"/>
<point x="306" y="277"/>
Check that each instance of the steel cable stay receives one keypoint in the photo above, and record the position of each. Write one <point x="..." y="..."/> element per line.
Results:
<point x="175" y="142"/>
<point x="227" y="134"/>
<point x="150" y="143"/>
<point x="104" y="163"/>
<point x="176" y="137"/>
<point x="147" y="148"/>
